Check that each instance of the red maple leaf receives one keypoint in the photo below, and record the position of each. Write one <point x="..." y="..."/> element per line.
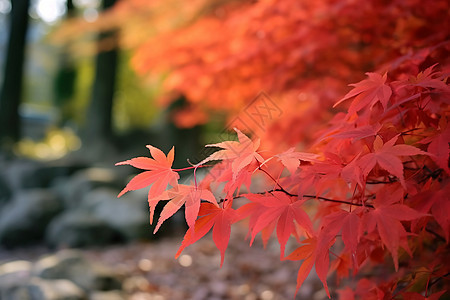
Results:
<point x="181" y="194"/>
<point x="352" y="172"/>
<point x="386" y="155"/>
<point x="254" y="210"/>
<point x="315" y="251"/>
<point x="439" y="145"/>
<point x="348" y="223"/>
<point x="279" y="208"/>
<point x="159" y="174"/>
<point x="223" y="173"/>
<point x="211" y="215"/>
<point x="242" y="152"/>
<point x="342" y="265"/>
<point x="430" y="79"/>
<point x="435" y="200"/>
<point x="418" y="296"/>
<point x="358" y="132"/>
<point x="366" y="289"/>
<point x="440" y="207"/>
<point x="291" y="159"/>
<point x="368" y="92"/>
<point x="386" y="217"/>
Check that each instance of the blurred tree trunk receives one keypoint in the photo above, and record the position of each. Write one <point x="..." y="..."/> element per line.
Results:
<point x="99" y="115"/>
<point x="11" y="90"/>
<point x="64" y="82"/>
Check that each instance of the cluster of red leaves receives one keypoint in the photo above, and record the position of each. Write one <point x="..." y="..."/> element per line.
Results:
<point x="376" y="182"/>
<point x="366" y="179"/>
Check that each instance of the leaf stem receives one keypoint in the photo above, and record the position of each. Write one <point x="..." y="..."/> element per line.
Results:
<point x="276" y="182"/>
<point x="190" y="168"/>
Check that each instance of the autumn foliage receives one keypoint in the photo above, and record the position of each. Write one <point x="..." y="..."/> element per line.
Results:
<point x="357" y="178"/>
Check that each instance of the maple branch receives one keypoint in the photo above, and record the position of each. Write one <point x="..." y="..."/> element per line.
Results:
<point x="306" y="196"/>
<point x="381" y="182"/>
<point x="338" y="201"/>
<point x="431" y="174"/>
<point x="406" y="132"/>
<point x="276" y="181"/>
<point x="281" y="189"/>
<point x="437" y="235"/>
<point x="322" y="198"/>
<point x="438" y="279"/>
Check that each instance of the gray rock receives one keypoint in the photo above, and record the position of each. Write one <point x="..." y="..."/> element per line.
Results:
<point x="18" y="174"/>
<point x="129" y="215"/>
<point x="73" y="266"/>
<point x="24" y="219"/>
<point x="58" y="289"/>
<point x="80" y="228"/>
<point x="74" y="188"/>
<point x="110" y="295"/>
<point x="26" y="174"/>
<point x="50" y="171"/>
<point x="39" y="289"/>
<point x="17" y="292"/>
<point x="17" y="283"/>
<point x="14" y="273"/>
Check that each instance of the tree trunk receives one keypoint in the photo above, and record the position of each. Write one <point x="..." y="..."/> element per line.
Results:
<point x="64" y="81"/>
<point x="99" y="121"/>
<point x="11" y="91"/>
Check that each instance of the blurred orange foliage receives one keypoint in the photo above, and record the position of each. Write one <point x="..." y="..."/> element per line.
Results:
<point x="221" y="54"/>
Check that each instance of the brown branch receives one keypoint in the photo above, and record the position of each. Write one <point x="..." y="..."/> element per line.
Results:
<point x="324" y="199"/>
<point x="380" y="182"/>
<point x="305" y="196"/>
<point x="438" y="279"/>
<point x="437" y="235"/>
<point x="281" y="189"/>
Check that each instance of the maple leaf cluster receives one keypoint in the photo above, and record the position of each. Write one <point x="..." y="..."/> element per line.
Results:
<point x="352" y="182"/>
<point x="375" y="183"/>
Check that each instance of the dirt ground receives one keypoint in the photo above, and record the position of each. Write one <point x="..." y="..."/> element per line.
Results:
<point x="149" y="270"/>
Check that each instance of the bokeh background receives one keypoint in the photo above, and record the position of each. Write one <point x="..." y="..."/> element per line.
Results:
<point x="72" y="105"/>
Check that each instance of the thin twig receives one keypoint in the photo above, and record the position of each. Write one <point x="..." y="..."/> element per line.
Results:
<point x="437" y="235"/>
<point x="281" y="189"/>
<point x="276" y="182"/>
